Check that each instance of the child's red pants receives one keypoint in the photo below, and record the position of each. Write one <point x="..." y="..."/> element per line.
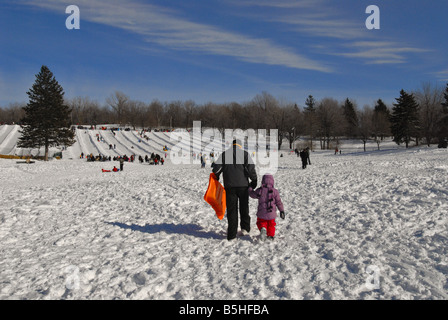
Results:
<point x="269" y="225"/>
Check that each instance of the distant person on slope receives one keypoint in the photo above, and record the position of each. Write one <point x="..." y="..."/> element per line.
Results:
<point x="121" y="163"/>
<point x="237" y="168"/>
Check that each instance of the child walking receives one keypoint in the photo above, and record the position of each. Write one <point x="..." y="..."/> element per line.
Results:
<point x="268" y="202"/>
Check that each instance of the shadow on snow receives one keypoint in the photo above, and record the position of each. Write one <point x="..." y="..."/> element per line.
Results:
<point x="170" y="228"/>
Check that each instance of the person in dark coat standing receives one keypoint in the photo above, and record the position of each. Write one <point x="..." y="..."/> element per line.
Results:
<point x="308" y="154"/>
<point x="304" y="157"/>
<point x="237" y="168"/>
<point x="121" y="163"/>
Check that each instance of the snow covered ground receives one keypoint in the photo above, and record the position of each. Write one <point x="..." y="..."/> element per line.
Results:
<point x="358" y="226"/>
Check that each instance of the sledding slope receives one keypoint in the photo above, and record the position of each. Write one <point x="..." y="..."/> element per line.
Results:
<point x="126" y="143"/>
<point x="4" y="132"/>
<point x="9" y="139"/>
<point x="149" y="144"/>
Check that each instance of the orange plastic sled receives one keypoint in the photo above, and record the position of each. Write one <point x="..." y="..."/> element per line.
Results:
<point x="216" y="196"/>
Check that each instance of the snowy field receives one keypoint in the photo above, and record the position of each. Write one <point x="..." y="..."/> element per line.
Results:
<point x="358" y="226"/>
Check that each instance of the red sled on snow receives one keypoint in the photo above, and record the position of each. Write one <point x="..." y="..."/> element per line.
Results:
<point x="216" y="196"/>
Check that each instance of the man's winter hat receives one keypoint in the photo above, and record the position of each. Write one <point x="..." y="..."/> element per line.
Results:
<point x="237" y="142"/>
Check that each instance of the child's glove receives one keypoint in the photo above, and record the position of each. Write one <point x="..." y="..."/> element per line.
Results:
<point x="282" y="215"/>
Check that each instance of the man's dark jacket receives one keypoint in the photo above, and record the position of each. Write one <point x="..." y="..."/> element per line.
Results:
<point x="236" y="167"/>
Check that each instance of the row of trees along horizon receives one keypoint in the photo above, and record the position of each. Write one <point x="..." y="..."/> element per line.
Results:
<point x="421" y="115"/>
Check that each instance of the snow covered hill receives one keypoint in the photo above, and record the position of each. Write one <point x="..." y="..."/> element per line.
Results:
<point x="134" y="142"/>
<point x="126" y="142"/>
<point x="358" y="226"/>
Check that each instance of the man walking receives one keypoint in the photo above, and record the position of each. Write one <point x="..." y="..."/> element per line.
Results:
<point x="304" y="157"/>
<point x="237" y="168"/>
<point x="121" y="163"/>
<point x="308" y="155"/>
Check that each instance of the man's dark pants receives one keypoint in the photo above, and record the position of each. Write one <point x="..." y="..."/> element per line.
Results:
<point x="235" y="196"/>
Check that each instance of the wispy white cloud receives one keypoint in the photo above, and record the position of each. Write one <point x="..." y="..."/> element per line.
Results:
<point x="321" y="25"/>
<point x="442" y="75"/>
<point x="288" y="4"/>
<point x="164" y="27"/>
<point x="317" y="18"/>
<point x="380" y="52"/>
<point x="323" y="21"/>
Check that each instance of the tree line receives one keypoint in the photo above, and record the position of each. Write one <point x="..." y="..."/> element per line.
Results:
<point x="419" y="117"/>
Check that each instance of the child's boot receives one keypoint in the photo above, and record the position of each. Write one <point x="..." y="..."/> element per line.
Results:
<point x="263" y="234"/>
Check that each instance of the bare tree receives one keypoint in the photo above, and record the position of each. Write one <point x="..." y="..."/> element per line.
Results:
<point x="119" y="102"/>
<point x="329" y="116"/>
<point x="156" y="113"/>
<point x="265" y="105"/>
<point x="310" y="123"/>
<point x="278" y="122"/>
<point x="252" y="114"/>
<point x="13" y="113"/>
<point x="188" y="110"/>
<point x="293" y="119"/>
<point x="206" y="114"/>
<point x="87" y="112"/>
<point x="365" y="124"/>
<point x="430" y="99"/>
<point x="136" y="114"/>
<point x="174" y="114"/>
<point x="236" y="115"/>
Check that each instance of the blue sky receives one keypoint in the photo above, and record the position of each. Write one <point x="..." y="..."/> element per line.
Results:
<point x="224" y="51"/>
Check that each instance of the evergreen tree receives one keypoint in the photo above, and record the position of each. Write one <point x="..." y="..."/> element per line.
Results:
<point x="405" y="119"/>
<point x="351" y="117"/>
<point x="47" y="117"/>
<point x="445" y="103"/>
<point x="381" y="124"/>
<point x="443" y="123"/>
<point x="380" y="107"/>
<point x="310" y="104"/>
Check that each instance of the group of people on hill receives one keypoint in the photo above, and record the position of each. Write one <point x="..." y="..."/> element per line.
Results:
<point x="154" y="159"/>
<point x="92" y="158"/>
<point x="125" y="158"/>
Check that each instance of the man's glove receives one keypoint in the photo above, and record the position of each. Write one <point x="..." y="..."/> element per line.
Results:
<point x="253" y="184"/>
<point x="282" y="214"/>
